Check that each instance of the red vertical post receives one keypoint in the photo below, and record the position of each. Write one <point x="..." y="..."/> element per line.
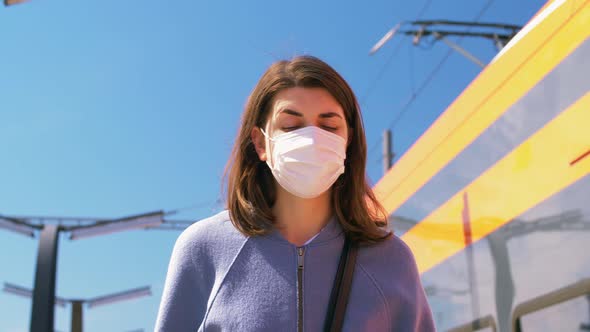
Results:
<point x="467" y="234"/>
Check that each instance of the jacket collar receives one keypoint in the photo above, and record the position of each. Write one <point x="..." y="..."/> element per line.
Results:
<point x="331" y="231"/>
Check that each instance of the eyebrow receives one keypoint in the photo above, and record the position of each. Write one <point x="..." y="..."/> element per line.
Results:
<point x="323" y="115"/>
<point x="330" y="115"/>
<point x="291" y="112"/>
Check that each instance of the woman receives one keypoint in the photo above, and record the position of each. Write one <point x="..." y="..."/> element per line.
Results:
<point x="296" y="190"/>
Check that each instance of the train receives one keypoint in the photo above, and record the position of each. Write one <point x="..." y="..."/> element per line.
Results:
<point x="494" y="197"/>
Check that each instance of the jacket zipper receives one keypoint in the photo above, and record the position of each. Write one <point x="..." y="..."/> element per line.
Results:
<point x="300" y="255"/>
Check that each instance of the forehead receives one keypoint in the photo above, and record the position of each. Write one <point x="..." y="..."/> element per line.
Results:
<point x="306" y="100"/>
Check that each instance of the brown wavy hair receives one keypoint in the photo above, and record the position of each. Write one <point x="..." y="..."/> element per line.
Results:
<point x="250" y="186"/>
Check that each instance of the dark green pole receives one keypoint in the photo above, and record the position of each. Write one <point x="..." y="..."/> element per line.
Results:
<point x="77" y="315"/>
<point x="43" y="310"/>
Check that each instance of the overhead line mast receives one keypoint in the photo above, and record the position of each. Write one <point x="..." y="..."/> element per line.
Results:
<point x="500" y="33"/>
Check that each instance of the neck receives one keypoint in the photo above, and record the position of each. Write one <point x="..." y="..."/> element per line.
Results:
<point x="299" y="219"/>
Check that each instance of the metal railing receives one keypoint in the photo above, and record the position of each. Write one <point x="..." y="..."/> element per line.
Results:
<point x="570" y="292"/>
<point x="478" y="324"/>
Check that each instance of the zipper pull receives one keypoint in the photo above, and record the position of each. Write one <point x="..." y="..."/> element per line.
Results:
<point x="300" y="253"/>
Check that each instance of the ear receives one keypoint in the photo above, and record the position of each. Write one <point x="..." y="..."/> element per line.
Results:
<point x="259" y="142"/>
<point x="350" y="134"/>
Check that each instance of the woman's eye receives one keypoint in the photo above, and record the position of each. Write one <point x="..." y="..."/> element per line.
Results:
<point x="289" y="128"/>
<point x="330" y="128"/>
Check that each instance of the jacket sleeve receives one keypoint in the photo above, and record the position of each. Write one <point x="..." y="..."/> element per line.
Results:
<point x="423" y="320"/>
<point x="184" y="299"/>
<point x="409" y="306"/>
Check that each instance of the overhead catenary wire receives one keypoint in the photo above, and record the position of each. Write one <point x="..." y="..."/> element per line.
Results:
<point x="435" y="71"/>
<point x="392" y="55"/>
<point x="377" y="78"/>
<point x="411" y="74"/>
<point x="512" y="27"/>
<point x="380" y="73"/>
<point x="411" y="70"/>
<point x="424" y="8"/>
<point x="414" y="95"/>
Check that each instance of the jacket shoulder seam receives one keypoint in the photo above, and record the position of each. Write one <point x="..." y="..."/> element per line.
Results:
<point x="214" y="292"/>
<point x="379" y="289"/>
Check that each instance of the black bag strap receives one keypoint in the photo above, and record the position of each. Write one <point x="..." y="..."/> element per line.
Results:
<point x="341" y="287"/>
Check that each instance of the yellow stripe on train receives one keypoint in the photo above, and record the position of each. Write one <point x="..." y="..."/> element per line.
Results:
<point x="534" y="171"/>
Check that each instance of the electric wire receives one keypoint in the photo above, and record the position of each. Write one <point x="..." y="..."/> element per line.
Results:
<point x="381" y="72"/>
<point x="413" y="96"/>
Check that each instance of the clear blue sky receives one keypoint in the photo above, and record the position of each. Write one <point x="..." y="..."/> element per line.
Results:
<point x="112" y="108"/>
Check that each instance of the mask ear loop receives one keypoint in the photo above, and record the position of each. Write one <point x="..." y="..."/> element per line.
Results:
<point x="265" y="134"/>
<point x="270" y="139"/>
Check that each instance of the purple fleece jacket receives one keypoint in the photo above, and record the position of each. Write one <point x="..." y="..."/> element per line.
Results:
<point x="220" y="280"/>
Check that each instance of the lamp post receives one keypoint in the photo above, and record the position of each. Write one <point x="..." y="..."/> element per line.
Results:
<point x="42" y="313"/>
<point x="17" y="226"/>
<point x="77" y="304"/>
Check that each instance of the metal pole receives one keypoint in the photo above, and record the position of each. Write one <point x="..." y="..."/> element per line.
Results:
<point x="77" y="315"/>
<point x="44" y="292"/>
<point x="460" y="49"/>
<point x="503" y="282"/>
<point x="387" y="152"/>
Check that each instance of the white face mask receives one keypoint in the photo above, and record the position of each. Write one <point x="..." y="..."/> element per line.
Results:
<point x="306" y="162"/>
